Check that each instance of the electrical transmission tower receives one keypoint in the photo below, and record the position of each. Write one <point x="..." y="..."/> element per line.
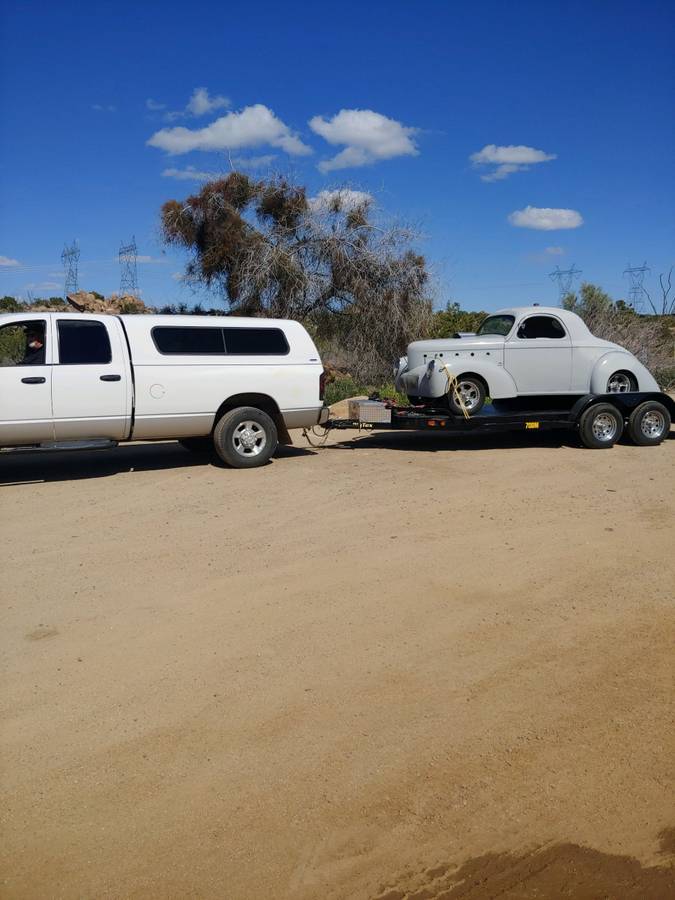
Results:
<point x="70" y="259"/>
<point x="128" y="271"/>
<point x="565" y="279"/>
<point x="636" y="279"/>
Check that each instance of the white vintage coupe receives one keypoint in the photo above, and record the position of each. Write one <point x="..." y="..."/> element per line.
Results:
<point x="530" y="350"/>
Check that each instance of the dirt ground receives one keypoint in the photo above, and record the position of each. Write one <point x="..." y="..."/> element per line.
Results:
<point x="396" y="667"/>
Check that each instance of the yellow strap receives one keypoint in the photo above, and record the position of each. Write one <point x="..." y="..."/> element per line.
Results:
<point x="453" y="385"/>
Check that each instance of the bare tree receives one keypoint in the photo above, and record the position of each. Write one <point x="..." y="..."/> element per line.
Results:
<point x="329" y="261"/>
<point x="665" y="306"/>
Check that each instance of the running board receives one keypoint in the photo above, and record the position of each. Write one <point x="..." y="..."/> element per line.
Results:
<point x="51" y="446"/>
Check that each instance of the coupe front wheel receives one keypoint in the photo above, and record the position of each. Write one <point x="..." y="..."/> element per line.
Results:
<point x="469" y="393"/>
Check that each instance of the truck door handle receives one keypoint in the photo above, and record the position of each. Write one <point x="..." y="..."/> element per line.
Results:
<point x="36" y="380"/>
<point x="111" y="377"/>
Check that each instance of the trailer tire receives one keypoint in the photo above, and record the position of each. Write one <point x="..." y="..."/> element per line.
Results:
<point x="600" y="427"/>
<point x="245" y="437"/>
<point x="649" y="424"/>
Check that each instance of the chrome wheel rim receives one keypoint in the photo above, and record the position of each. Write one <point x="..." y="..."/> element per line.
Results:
<point x="619" y="384"/>
<point x="653" y="424"/>
<point x="469" y="393"/>
<point x="249" y="438"/>
<point x="605" y="427"/>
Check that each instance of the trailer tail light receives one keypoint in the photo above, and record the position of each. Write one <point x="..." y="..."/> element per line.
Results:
<point x="322" y="385"/>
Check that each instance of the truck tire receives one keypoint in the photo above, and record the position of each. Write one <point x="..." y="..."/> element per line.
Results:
<point x="600" y="426"/>
<point x="472" y="391"/>
<point x="197" y="444"/>
<point x="245" y="437"/>
<point x="649" y="424"/>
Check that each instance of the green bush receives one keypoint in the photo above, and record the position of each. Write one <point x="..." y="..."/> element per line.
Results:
<point x="345" y="387"/>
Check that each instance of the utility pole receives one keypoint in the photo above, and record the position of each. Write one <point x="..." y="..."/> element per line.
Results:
<point x="636" y="280"/>
<point x="128" y="269"/>
<point x="70" y="259"/>
<point x="564" y="278"/>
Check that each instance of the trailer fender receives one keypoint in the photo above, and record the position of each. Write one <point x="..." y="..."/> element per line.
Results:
<point x="618" y="361"/>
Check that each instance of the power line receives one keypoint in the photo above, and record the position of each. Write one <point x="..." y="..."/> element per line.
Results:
<point x="636" y="280"/>
<point x="70" y="259"/>
<point x="128" y="269"/>
<point x="565" y="278"/>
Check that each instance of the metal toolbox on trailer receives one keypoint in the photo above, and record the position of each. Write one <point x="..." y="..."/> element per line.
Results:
<point x="369" y="411"/>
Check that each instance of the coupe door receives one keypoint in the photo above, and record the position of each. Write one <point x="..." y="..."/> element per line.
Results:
<point x="25" y="383"/>
<point x="539" y="356"/>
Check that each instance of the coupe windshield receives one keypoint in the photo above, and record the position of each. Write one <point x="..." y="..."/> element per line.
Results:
<point x="496" y="325"/>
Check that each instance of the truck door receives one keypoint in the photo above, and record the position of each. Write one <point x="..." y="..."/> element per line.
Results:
<point x="91" y="387"/>
<point x="25" y="382"/>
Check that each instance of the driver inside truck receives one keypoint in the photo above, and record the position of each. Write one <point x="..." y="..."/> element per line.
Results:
<point x="35" y="346"/>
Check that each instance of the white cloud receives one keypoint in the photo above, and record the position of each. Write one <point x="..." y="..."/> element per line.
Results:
<point x="150" y="259"/>
<point x="254" y="126"/>
<point x="368" y="136"/>
<point x="100" y="107"/>
<point x="189" y="173"/>
<point x="509" y="159"/>
<point x="153" y="105"/>
<point x="8" y="261"/>
<point x="44" y="286"/>
<point x="344" y="199"/>
<point x="545" y="219"/>
<point x="554" y="251"/>
<point x="254" y="162"/>
<point x="200" y="103"/>
<point x="178" y="276"/>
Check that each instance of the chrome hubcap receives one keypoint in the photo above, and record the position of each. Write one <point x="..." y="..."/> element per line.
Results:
<point x="619" y="384"/>
<point x="249" y="438"/>
<point x="469" y="393"/>
<point x="653" y="424"/>
<point x="604" y="427"/>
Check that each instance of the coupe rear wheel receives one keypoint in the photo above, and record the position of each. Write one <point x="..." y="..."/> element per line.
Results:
<point x="649" y="424"/>
<point x="621" y="383"/>
<point x="601" y="426"/>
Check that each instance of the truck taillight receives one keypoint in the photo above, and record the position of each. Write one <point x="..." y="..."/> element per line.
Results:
<point x="322" y="385"/>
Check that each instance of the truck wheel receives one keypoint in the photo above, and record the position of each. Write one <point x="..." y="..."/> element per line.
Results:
<point x="649" y="424"/>
<point x="472" y="392"/>
<point x="601" y="426"/>
<point x="197" y="444"/>
<point x="245" y="437"/>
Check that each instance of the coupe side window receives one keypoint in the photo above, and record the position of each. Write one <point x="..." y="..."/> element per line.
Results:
<point x="23" y="343"/>
<point x="541" y="327"/>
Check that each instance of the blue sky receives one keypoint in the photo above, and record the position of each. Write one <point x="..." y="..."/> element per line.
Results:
<point x="426" y="86"/>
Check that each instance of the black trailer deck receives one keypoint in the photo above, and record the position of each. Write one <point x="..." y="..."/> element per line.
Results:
<point x="646" y="417"/>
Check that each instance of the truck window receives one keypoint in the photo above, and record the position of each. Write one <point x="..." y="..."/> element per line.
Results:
<point x="256" y="341"/>
<point x="83" y="343"/>
<point x="209" y="341"/>
<point x="23" y="344"/>
<point x="170" y="339"/>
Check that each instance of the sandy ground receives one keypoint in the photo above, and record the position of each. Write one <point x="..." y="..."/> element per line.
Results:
<point x="394" y="667"/>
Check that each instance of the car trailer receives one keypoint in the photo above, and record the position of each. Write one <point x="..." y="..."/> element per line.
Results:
<point x="599" y="419"/>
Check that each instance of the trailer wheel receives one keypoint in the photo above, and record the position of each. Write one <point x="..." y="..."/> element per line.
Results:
<point x="245" y="437"/>
<point x="600" y="426"/>
<point x="649" y="424"/>
<point x="472" y="391"/>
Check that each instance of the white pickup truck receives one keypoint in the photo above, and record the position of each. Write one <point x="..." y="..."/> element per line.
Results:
<point x="75" y="379"/>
